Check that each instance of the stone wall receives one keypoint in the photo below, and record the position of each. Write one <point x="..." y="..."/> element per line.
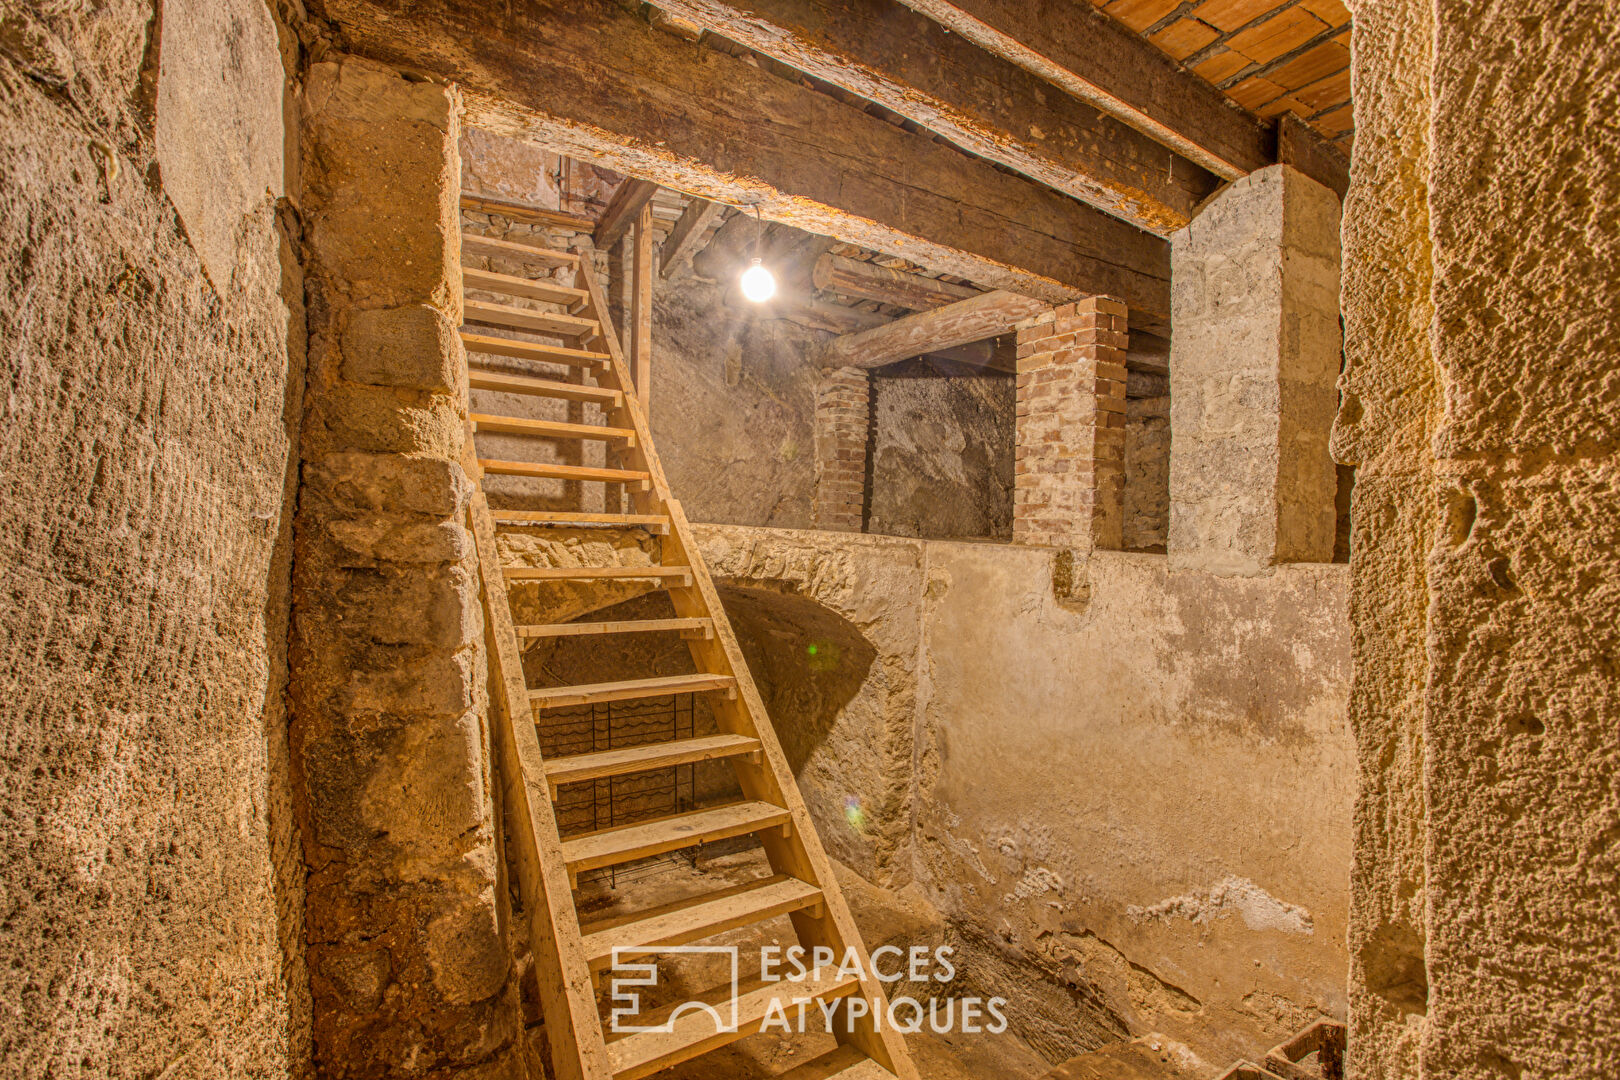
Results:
<point x="410" y="965"/>
<point x="152" y="345"/>
<point x="942" y="452"/>
<point x="1131" y="801"/>
<point x="1147" y="461"/>
<point x="1253" y="362"/>
<point x="1480" y="413"/>
<point x="732" y="407"/>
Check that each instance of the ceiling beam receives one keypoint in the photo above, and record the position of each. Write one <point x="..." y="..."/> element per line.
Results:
<point x="588" y="79"/>
<point x="982" y="102"/>
<point x="623" y="210"/>
<point x="806" y="311"/>
<point x="1105" y="64"/>
<point x="868" y="281"/>
<point x="986" y="316"/>
<point x="688" y="233"/>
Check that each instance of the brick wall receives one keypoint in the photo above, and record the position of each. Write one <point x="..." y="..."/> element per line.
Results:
<point x="1068" y="489"/>
<point x="842" y="420"/>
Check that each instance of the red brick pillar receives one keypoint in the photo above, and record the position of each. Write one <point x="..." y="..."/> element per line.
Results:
<point x="1069" y="486"/>
<point x="842" y="419"/>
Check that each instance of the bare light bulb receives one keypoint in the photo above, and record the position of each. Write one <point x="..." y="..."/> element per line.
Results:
<point x="758" y="284"/>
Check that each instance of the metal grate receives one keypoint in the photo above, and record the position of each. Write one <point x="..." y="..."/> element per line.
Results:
<point x="623" y="800"/>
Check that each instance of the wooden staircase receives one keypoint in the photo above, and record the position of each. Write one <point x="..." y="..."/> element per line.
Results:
<point x="569" y="957"/>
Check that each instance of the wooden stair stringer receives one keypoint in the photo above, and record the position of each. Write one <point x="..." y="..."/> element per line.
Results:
<point x="567" y="993"/>
<point x="799" y="854"/>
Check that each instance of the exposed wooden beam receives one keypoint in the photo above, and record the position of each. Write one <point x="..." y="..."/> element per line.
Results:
<point x="687" y="234"/>
<point x="982" y="102"/>
<point x="519" y="212"/>
<point x="1299" y="146"/>
<point x="641" y="286"/>
<point x="868" y="281"/>
<point x="1101" y="62"/>
<point x="989" y="315"/>
<point x="588" y="79"/>
<point x="623" y="210"/>
<point x="805" y="311"/>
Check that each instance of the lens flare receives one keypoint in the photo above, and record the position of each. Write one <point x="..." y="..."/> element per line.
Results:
<point x="854" y="814"/>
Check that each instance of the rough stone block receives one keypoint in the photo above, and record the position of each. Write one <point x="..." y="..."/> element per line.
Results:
<point x="1255" y="357"/>
<point x="413" y="346"/>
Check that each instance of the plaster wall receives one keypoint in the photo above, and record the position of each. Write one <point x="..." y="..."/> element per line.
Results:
<point x="1139" y="785"/>
<point x="152" y="347"/>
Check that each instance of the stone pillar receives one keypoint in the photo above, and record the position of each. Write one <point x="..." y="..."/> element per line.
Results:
<point x="1254" y="358"/>
<point x="843" y="419"/>
<point x="1069" y="483"/>
<point x="409" y="966"/>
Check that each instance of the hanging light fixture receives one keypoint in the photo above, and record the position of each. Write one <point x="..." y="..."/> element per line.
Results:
<point x="758" y="284"/>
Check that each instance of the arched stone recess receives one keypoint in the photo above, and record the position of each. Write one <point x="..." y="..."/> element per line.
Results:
<point x="830" y="631"/>
<point x="846" y="711"/>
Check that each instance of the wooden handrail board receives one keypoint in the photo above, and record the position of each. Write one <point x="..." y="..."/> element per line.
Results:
<point x="682" y="574"/>
<point x="504" y="382"/>
<point x="549" y="470"/>
<point x="548" y="429"/>
<point x="528" y="288"/>
<point x="695" y="918"/>
<point x="567" y="994"/>
<point x="517" y="318"/>
<point x="654" y="523"/>
<point x="695" y="1032"/>
<point x="473" y="244"/>
<point x="626" y="626"/>
<point x="531" y="350"/>
<point x="625" y="843"/>
<point x="575" y="768"/>
<point x="557" y="697"/>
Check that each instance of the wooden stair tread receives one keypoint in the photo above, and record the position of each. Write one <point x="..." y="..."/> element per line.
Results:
<point x="532" y="350"/>
<point x="657" y="523"/>
<point x="552" y="697"/>
<point x="644" y="932"/>
<point x="508" y="383"/>
<point x="609" y="847"/>
<point x="473" y="244"/>
<point x="574" y="768"/>
<point x="625" y="626"/>
<point x="528" y="288"/>
<point x="519" y="318"/>
<point x="695" y="1032"/>
<point x="549" y="429"/>
<point x="594" y="573"/>
<point x="845" y="1063"/>
<point x="547" y="470"/>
